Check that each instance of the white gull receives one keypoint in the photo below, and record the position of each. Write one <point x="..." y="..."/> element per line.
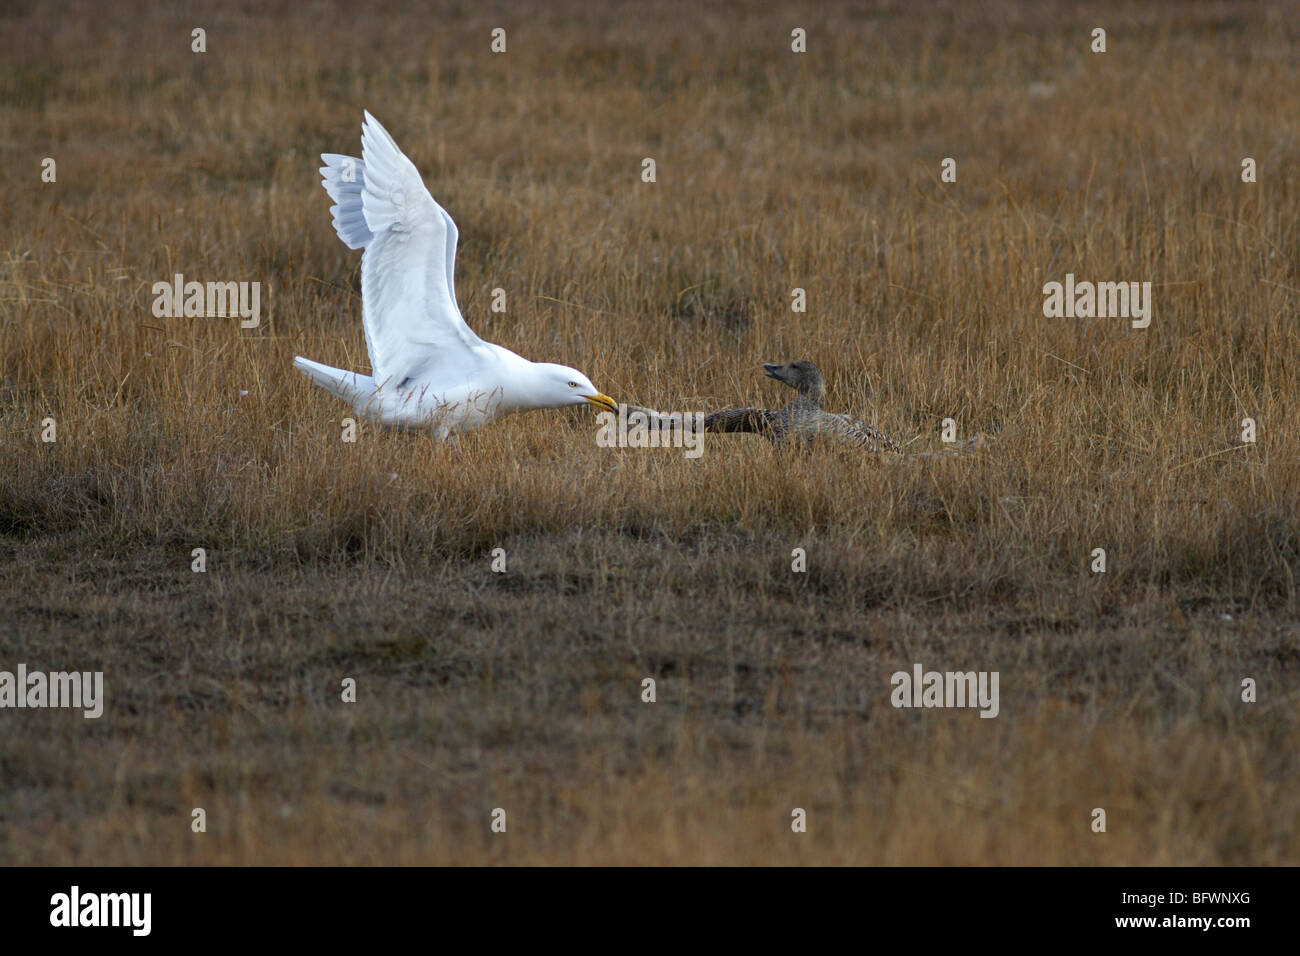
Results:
<point x="428" y="368"/>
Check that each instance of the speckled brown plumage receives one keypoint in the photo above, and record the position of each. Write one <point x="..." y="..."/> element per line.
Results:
<point x="803" y="419"/>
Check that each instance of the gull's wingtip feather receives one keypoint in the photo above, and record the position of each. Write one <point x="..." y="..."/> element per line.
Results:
<point x="370" y="121"/>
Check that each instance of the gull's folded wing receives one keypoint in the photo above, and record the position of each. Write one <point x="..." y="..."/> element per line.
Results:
<point x="408" y="296"/>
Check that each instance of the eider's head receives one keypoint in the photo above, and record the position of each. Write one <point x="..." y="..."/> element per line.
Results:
<point x="803" y="376"/>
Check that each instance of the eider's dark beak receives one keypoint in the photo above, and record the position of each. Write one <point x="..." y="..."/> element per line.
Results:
<point x="771" y="370"/>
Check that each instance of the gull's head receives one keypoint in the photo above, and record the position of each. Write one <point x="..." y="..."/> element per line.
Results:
<point x="560" y="385"/>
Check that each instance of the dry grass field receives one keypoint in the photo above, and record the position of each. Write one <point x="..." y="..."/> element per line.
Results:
<point x="774" y="170"/>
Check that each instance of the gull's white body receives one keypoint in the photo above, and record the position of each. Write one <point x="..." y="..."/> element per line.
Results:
<point x="429" y="369"/>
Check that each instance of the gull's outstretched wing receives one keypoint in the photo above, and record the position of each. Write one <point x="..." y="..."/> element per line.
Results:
<point x="408" y="298"/>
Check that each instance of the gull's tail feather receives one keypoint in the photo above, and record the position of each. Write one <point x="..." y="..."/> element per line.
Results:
<point x="349" y="386"/>
<point x="344" y="178"/>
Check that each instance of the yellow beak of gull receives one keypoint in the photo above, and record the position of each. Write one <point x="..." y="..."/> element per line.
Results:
<point x="602" y="400"/>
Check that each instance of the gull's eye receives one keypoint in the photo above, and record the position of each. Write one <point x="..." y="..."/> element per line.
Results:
<point x="573" y="385"/>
